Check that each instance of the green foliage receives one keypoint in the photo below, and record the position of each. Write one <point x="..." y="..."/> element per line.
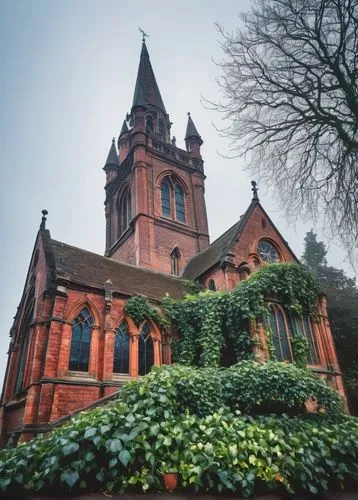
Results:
<point x="193" y="287"/>
<point x="275" y="387"/>
<point x="175" y="418"/>
<point x="342" y="295"/>
<point x="213" y="327"/>
<point x="300" y="348"/>
<point x="140" y="309"/>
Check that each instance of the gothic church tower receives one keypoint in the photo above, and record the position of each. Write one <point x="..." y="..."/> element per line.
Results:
<point x="155" y="207"/>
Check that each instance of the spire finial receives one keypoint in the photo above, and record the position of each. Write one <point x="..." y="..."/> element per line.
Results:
<point x="44" y="219"/>
<point x="113" y="140"/>
<point x="144" y="34"/>
<point x="188" y="113"/>
<point x="254" y="189"/>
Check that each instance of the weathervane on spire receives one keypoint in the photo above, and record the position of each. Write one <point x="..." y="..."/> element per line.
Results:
<point x="144" y="34"/>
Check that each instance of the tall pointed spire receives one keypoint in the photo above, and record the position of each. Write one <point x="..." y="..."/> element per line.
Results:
<point x="146" y="89"/>
<point x="112" y="158"/>
<point x="124" y="128"/>
<point x="191" y="131"/>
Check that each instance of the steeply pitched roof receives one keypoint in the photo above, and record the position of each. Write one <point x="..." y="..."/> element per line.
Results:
<point x="215" y="252"/>
<point x="146" y="88"/>
<point x="191" y="130"/>
<point x="124" y="128"/>
<point x="112" y="158"/>
<point x="90" y="269"/>
<point x="219" y="249"/>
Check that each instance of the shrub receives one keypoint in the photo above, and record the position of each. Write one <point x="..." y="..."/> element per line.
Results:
<point x="264" y="387"/>
<point x="166" y="421"/>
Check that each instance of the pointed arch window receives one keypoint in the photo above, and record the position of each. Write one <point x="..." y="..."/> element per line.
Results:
<point x="212" y="285"/>
<point x="284" y="325"/>
<point x="145" y="350"/>
<point x="174" y="261"/>
<point x="81" y="341"/>
<point x="26" y="332"/>
<point x="121" y="349"/>
<point x="280" y="333"/>
<point x="173" y="199"/>
<point x="125" y="211"/>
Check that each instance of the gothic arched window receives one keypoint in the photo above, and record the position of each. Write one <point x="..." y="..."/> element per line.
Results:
<point x="173" y="198"/>
<point x="145" y="350"/>
<point x="211" y="285"/>
<point x="81" y="341"/>
<point x="125" y="211"/>
<point x="280" y="333"/>
<point x="121" y="349"/>
<point x="174" y="261"/>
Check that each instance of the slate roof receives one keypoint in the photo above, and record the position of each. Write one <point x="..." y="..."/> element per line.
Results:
<point x="146" y="89"/>
<point x="112" y="158"/>
<point x="124" y="128"/>
<point x="216" y="252"/>
<point x="191" y="130"/>
<point x="90" y="269"/>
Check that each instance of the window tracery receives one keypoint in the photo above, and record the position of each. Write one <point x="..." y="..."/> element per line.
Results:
<point x="283" y="326"/>
<point x="81" y="341"/>
<point x="145" y="350"/>
<point x="173" y="199"/>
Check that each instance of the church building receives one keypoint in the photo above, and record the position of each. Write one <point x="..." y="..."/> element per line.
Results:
<point x="72" y="345"/>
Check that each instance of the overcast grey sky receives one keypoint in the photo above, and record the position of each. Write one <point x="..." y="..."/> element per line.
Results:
<point x="68" y="72"/>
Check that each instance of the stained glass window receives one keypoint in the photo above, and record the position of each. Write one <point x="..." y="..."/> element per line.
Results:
<point x="121" y="349"/>
<point x="145" y="350"/>
<point x="81" y="341"/>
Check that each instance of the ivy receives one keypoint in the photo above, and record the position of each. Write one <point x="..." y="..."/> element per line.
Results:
<point x="300" y="348"/>
<point x="188" y="419"/>
<point x="140" y="309"/>
<point x="212" y="326"/>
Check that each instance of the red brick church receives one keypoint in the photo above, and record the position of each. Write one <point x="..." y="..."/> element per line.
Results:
<point x="72" y="343"/>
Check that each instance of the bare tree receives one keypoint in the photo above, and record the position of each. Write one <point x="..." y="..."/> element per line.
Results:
<point x="290" y="90"/>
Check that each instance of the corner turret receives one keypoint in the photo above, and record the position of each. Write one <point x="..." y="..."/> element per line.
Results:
<point x="193" y="141"/>
<point x="112" y="163"/>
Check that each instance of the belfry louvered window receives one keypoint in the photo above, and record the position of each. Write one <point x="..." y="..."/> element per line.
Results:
<point x="121" y="349"/>
<point x="173" y="199"/>
<point x="145" y="350"/>
<point x="81" y="341"/>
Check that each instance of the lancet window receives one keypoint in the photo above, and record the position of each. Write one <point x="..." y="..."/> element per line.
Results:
<point x="121" y="349"/>
<point x="81" y="341"/>
<point x="125" y="211"/>
<point x="173" y="199"/>
<point x="145" y="350"/>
